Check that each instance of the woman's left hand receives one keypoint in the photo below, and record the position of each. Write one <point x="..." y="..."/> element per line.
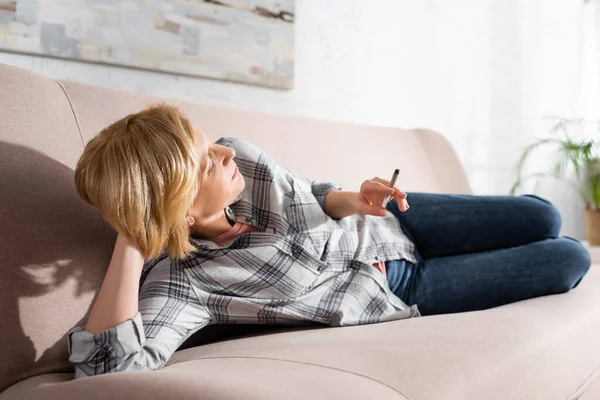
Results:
<point x="371" y="195"/>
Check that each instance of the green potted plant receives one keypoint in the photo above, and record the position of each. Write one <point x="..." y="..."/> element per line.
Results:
<point x="571" y="154"/>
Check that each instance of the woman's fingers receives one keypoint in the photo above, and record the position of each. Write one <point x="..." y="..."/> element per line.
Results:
<point x="379" y="187"/>
<point x="387" y="184"/>
<point x="404" y="205"/>
<point x="381" y="180"/>
<point x="399" y="193"/>
<point x="365" y="209"/>
<point x="374" y="192"/>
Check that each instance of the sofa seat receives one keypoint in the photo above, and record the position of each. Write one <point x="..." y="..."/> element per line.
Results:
<point x="543" y="348"/>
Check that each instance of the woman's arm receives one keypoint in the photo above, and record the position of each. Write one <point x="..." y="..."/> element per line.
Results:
<point x="369" y="201"/>
<point x="117" y="300"/>
<point x="335" y="202"/>
<point x="147" y="340"/>
<point x="340" y="203"/>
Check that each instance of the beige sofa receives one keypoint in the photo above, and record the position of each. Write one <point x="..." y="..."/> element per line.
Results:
<point x="55" y="250"/>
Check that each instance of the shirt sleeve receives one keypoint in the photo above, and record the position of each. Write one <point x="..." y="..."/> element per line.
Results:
<point x="147" y="340"/>
<point x="319" y="189"/>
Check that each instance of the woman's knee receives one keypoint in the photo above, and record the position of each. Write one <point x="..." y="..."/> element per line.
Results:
<point x="543" y="214"/>
<point x="573" y="261"/>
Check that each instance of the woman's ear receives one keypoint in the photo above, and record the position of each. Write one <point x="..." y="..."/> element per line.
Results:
<point x="190" y="220"/>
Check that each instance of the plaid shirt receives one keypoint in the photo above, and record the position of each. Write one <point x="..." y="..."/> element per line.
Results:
<point x="301" y="267"/>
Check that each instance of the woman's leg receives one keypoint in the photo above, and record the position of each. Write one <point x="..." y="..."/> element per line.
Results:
<point x="448" y="224"/>
<point x="488" y="279"/>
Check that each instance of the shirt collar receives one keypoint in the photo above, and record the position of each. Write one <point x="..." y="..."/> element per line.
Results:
<point x="235" y="213"/>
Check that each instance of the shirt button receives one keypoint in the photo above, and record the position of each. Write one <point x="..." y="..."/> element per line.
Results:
<point x="248" y="219"/>
<point x="377" y="258"/>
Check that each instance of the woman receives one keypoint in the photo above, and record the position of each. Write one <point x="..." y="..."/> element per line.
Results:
<point x="220" y="232"/>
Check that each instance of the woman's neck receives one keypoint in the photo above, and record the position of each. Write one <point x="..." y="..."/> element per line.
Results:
<point x="213" y="228"/>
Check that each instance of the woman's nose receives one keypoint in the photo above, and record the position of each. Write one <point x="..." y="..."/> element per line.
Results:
<point x="227" y="153"/>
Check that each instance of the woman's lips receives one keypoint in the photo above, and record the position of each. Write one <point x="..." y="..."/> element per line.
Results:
<point x="235" y="173"/>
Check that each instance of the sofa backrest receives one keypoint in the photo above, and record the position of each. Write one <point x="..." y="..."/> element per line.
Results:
<point x="55" y="248"/>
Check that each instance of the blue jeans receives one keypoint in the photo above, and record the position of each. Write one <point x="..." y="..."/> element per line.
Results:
<point x="477" y="252"/>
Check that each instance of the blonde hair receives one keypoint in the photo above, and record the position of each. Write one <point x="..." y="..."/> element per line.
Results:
<point x="141" y="172"/>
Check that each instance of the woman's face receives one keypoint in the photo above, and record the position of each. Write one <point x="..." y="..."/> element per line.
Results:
<point x="220" y="182"/>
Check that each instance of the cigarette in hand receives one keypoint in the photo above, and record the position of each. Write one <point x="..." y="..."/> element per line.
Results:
<point x="392" y="183"/>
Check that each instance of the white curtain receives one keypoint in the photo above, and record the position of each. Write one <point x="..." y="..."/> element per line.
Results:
<point x="501" y="69"/>
<point x="575" y="63"/>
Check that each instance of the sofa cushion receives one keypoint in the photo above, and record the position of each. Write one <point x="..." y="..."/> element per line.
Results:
<point x="230" y="378"/>
<point x="543" y="348"/>
<point x="56" y="248"/>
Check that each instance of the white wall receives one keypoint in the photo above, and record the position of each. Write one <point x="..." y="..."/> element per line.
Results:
<point x="482" y="72"/>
